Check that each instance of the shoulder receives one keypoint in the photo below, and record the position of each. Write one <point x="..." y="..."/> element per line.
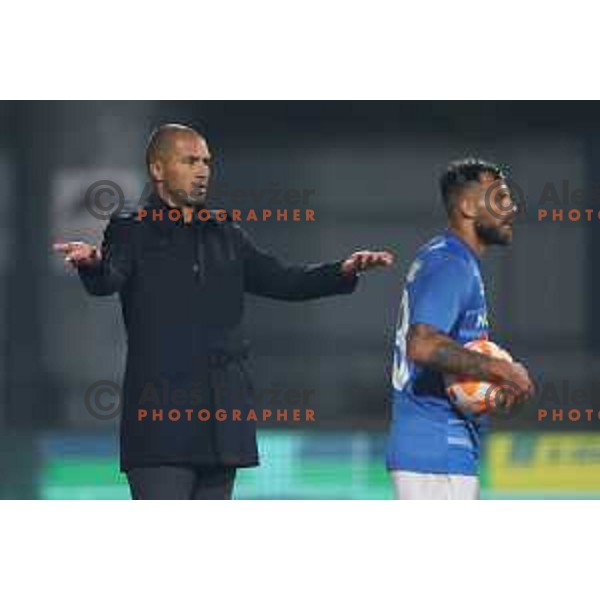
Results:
<point x="125" y="216"/>
<point x="437" y="259"/>
<point x="439" y="269"/>
<point x="222" y="224"/>
<point x="122" y="224"/>
<point x="219" y="215"/>
<point x="222" y="220"/>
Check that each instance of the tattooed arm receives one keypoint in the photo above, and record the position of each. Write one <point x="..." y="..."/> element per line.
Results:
<point x="428" y="347"/>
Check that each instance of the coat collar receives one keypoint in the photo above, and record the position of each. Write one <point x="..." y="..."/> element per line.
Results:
<point x="155" y="202"/>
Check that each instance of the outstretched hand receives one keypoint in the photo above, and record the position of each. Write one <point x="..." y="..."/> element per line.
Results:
<point x="78" y="253"/>
<point x="365" y="260"/>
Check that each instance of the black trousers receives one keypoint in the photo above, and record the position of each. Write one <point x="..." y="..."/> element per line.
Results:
<point x="168" y="482"/>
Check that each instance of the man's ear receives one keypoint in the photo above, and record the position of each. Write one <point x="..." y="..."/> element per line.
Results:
<point x="466" y="205"/>
<point x="156" y="170"/>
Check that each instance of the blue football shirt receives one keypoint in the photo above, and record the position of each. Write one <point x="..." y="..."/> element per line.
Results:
<point x="428" y="434"/>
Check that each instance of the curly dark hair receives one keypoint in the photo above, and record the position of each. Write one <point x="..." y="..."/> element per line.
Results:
<point x="461" y="173"/>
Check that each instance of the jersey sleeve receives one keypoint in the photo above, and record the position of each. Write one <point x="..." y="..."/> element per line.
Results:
<point x="437" y="292"/>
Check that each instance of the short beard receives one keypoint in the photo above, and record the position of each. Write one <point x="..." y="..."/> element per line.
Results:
<point x="491" y="236"/>
<point x="195" y="202"/>
<point x="182" y="200"/>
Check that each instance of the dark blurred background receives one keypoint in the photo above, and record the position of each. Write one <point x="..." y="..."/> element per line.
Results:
<point x="369" y="170"/>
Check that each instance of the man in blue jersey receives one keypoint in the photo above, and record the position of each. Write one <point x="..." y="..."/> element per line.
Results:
<point x="433" y="448"/>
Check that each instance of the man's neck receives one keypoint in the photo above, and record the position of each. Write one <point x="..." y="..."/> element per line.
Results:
<point x="165" y="197"/>
<point x="186" y="210"/>
<point x="469" y="237"/>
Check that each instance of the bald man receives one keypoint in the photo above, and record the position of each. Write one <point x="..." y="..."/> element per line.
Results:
<point x="181" y="284"/>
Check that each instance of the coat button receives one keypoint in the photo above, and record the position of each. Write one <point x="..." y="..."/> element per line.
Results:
<point x="195" y="268"/>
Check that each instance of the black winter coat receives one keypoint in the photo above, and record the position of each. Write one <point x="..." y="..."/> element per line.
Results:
<point x="181" y="288"/>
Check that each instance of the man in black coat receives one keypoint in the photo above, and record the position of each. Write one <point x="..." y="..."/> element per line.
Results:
<point x="181" y="272"/>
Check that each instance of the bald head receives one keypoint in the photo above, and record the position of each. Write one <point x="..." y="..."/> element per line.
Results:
<point x="162" y="139"/>
<point x="178" y="162"/>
